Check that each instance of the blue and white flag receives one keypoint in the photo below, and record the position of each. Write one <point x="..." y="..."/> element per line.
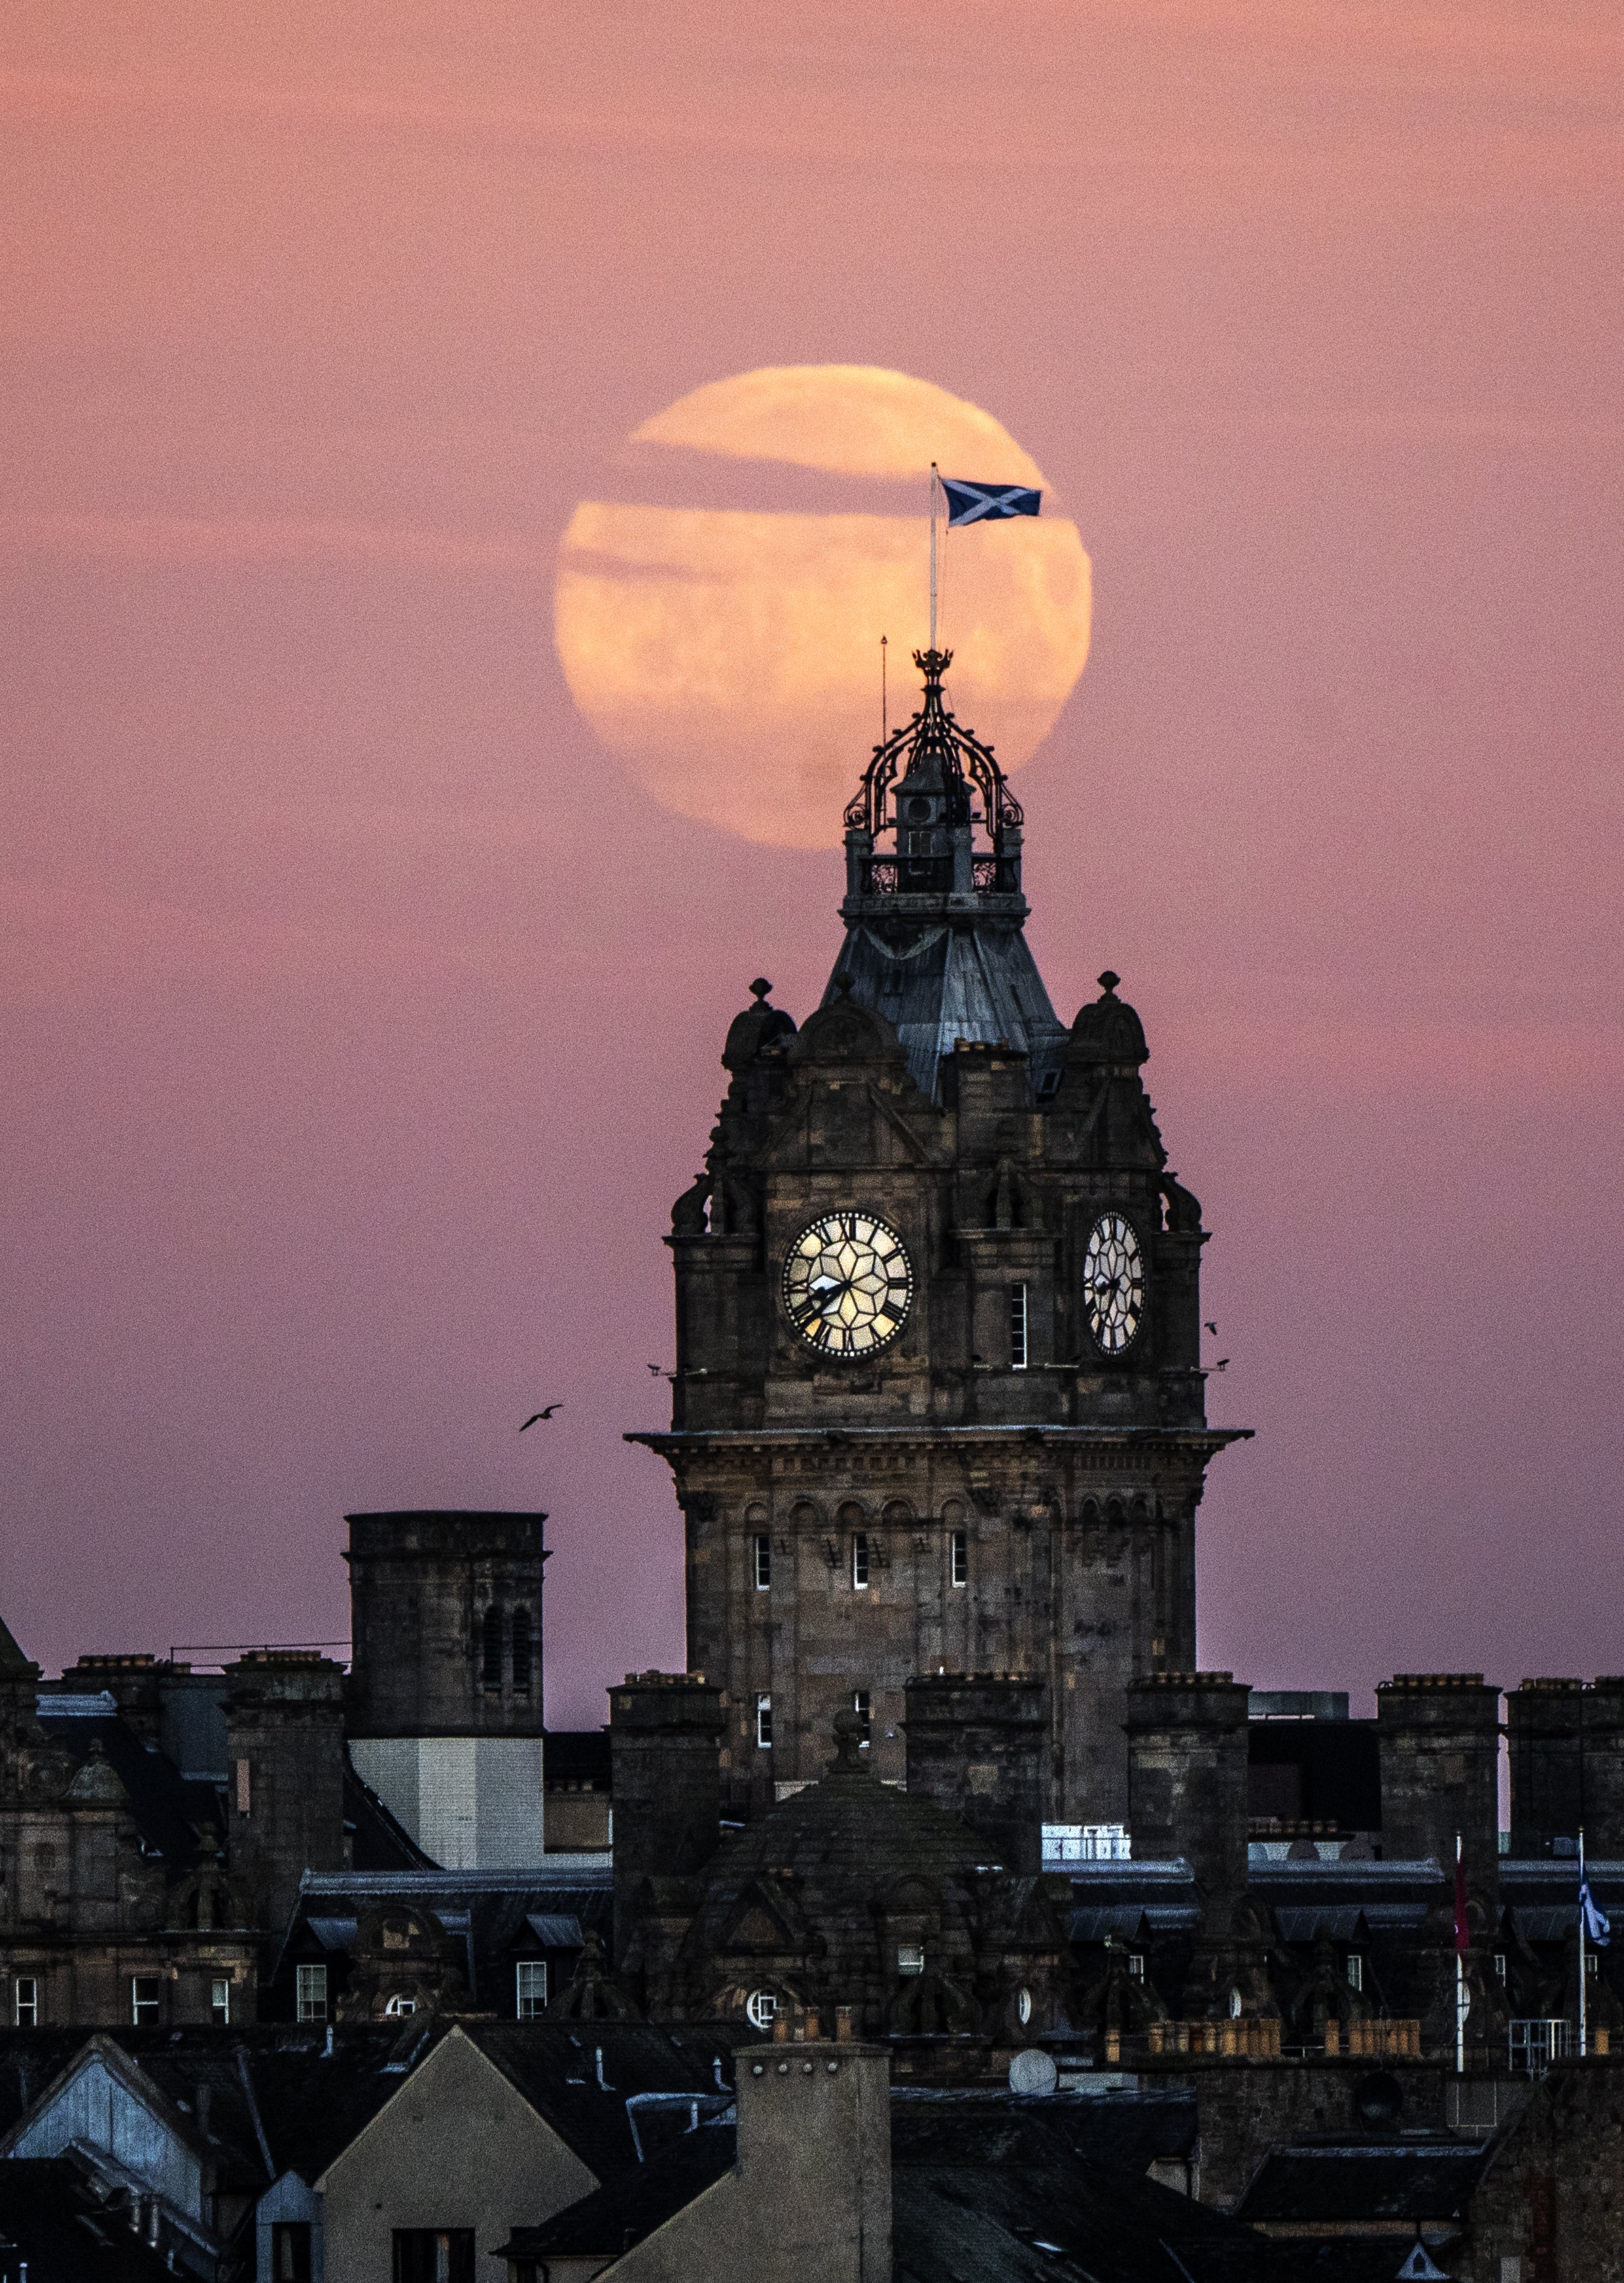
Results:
<point x="1597" y="1926"/>
<point x="987" y="502"/>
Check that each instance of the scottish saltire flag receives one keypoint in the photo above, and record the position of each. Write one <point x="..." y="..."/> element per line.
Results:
<point x="1597" y="1926"/>
<point x="987" y="502"/>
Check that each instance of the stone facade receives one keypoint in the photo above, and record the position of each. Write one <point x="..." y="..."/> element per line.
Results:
<point x="1009" y="1478"/>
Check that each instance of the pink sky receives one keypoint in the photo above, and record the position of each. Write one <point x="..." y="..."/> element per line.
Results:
<point x="361" y="1018"/>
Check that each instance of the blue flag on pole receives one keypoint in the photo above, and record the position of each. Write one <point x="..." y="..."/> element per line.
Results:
<point x="1597" y="1926"/>
<point x="987" y="502"/>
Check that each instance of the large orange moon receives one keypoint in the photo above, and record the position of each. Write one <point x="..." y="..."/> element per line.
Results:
<point x="731" y="657"/>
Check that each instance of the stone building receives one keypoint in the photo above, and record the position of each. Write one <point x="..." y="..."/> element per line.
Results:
<point x="938" y="1399"/>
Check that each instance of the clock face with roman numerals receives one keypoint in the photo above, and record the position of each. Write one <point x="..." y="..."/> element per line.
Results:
<point x="848" y="1285"/>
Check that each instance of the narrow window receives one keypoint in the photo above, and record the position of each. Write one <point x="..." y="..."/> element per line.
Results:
<point x="1017" y="1327"/>
<point x="291" y="2251"/>
<point x="958" y="1556"/>
<point x="1023" y="2006"/>
<point x="491" y="1646"/>
<point x="434" y="2254"/>
<point x="521" y="1653"/>
<point x="763" y="1561"/>
<point x="220" y="2001"/>
<point x="910" y="1958"/>
<point x="310" y="1993"/>
<point x="763" y="1722"/>
<point x="860" y="1560"/>
<point x="1355" y="1970"/>
<point x="1592" y="1962"/>
<point x="859" y="1705"/>
<point x="762" y="2008"/>
<point x="1136" y="1966"/>
<point x="28" y="2002"/>
<point x="244" y="1790"/>
<point x="531" y="1989"/>
<point x="145" y="1991"/>
<point x="1499" y="1966"/>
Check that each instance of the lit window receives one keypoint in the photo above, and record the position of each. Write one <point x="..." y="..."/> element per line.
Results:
<point x="244" y="1793"/>
<point x="28" y="2002"/>
<point x="146" y="1991"/>
<point x="1592" y="1962"/>
<point x="1499" y="1966"/>
<point x="958" y="1556"/>
<point x="220" y="2001"/>
<point x="310" y="1993"/>
<point x="910" y="1958"/>
<point x="1355" y="1970"/>
<point x="523" y="1660"/>
<point x="764" y="1562"/>
<point x="860" y="1560"/>
<point x="1136" y="1966"/>
<point x="399" y="2006"/>
<point x="531" y="1989"/>
<point x="1017" y="1327"/>
<point x="763" y="1722"/>
<point x="859" y="1705"/>
<point x="762" y="2008"/>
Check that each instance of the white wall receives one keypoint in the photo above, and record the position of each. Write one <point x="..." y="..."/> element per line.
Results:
<point x="94" y="2107"/>
<point x="471" y="1802"/>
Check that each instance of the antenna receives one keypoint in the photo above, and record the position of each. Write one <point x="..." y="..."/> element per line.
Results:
<point x="933" y="554"/>
<point x="884" y="731"/>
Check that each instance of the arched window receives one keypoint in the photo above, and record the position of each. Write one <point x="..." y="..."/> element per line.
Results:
<point x="520" y="1652"/>
<point x="492" y="1659"/>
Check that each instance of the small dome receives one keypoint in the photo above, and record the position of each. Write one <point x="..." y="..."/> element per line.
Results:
<point x="1107" y="1030"/>
<point x="750" y="1031"/>
<point x="96" y="1784"/>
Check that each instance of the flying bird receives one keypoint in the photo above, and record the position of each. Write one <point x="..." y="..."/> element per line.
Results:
<point x="1212" y="1329"/>
<point x="540" y="1414"/>
<point x="654" y="1368"/>
<point x="1222" y="1364"/>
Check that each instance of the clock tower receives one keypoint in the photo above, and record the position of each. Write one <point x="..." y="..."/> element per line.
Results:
<point x="938" y="1402"/>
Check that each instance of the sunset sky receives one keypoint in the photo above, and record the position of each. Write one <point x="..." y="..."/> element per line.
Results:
<point x="361" y="1011"/>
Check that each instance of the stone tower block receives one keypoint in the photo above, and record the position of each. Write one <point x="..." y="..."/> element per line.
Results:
<point x="1603" y="1768"/>
<point x="665" y="1731"/>
<point x="976" y="1746"/>
<point x="1545" y="1723"/>
<point x="1439" y="1738"/>
<point x="284" y="1746"/>
<point x="446" y="1623"/>
<point x="1187" y="1773"/>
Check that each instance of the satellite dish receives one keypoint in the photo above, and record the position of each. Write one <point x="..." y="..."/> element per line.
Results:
<point x="1032" y="2071"/>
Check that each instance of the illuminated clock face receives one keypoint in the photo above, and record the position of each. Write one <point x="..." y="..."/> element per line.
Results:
<point x="1114" y="1283"/>
<point x="848" y="1285"/>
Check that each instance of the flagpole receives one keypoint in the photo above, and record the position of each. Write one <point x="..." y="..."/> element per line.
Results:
<point x="1460" y="1983"/>
<point x="933" y="554"/>
<point x="1581" y="2007"/>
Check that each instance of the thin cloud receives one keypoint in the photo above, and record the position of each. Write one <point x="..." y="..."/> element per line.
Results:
<point x="264" y="539"/>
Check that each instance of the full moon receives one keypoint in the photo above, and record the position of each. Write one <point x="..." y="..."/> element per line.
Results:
<point x="730" y="655"/>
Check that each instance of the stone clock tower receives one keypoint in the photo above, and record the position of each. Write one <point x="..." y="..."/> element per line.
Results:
<point x="938" y="1400"/>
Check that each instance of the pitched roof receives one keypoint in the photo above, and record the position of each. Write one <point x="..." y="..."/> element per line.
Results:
<point x="1392" y="2180"/>
<point x="1131" y="2129"/>
<point x="613" y="2218"/>
<point x="58" y="2224"/>
<point x="580" y="2076"/>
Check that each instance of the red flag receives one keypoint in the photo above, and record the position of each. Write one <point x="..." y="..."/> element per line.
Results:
<point x="1463" y="1938"/>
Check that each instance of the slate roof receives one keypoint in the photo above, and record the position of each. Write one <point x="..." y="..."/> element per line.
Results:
<point x="1130" y="2130"/>
<point x="168" y="1807"/>
<point x="615" y="2217"/>
<point x="937" y="983"/>
<point x="52" y="2217"/>
<point x="579" y="2076"/>
<point x="1394" y="2180"/>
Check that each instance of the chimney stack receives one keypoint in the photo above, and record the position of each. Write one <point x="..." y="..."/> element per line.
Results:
<point x="284" y="1765"/>
<point x="665" y="1731"/>
<point x="976" y="1746"/>
<point x="1545" y="1724"/>
<point x="1439" y="1737"/>
<point x="1187" y="1774"/>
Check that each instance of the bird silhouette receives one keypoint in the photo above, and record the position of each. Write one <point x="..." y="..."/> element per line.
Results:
<point x="540" y="1414"/>
<point x="1222" y="1364"/>
<point x="1212" y="1329"/>
<point x="654" y="1368"/>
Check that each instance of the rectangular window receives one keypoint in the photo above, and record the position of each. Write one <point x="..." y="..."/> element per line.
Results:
<point x="434" y="2254"/>
<point x="1592" y="1961"/>
<point x="958" y="1556"/>
<point x="531" y="1989"/>
<point x="1499" y="1966"/>
<point x="860" y="1560"/>
<point x="310" y="1991"/>
<point x="27" y="2005"/>
<point x="220" y="2001"/>
<point x="145" y="1993"/>
<point x="1355" y="1970"/>
<point x="764" y="1562"/>
<point x="1136" y="1966"/>
<point x="910" y="1958"/>
<point x="859" y="1705"/>
<point x="243" y="1792"/>
<point x="763" y="1722"/>
<point x="1017" y="1327"/>
<point x="291" y="2251"/>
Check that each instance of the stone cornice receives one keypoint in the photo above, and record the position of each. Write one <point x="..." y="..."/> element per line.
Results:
<point x="1185" y="1441"/>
